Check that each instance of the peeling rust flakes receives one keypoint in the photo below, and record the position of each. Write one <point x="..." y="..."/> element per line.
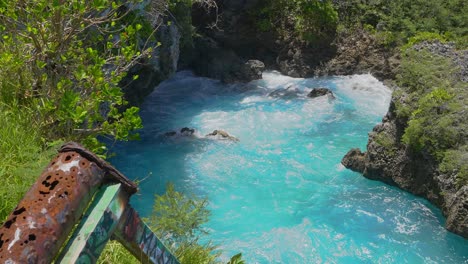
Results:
<point x="47" y="213"/>
<point x="36" y="229"/>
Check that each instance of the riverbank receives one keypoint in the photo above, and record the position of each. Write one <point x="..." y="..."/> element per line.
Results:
<point x="279" y="193"/>
<point x="421" y="147"/>
<point x="401" y="58"/>
<point x="78" y="88"/>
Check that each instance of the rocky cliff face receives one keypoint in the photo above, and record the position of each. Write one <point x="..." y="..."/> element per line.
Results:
<point x="159" y="67"/>
<point x="396" y="164"/>
<point x="237" y="35"/>
<point x="223" y="35"/>
<point x="388" y="160"/>
<point x="163" y="61"/>
<point x="235" y="51"/>
<point x="360" y="52"/>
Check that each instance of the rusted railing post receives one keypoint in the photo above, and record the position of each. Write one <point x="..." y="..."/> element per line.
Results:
<point x="38" y="227"/>
<point x="137" y="238"/>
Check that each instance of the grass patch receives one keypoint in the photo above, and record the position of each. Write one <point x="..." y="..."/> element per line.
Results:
<point x="386" y="141"/>
<point x="114" y="252"/>
<point x="22" y="156"/>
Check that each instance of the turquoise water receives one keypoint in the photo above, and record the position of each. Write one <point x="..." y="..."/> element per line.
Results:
<point x="280" y="195"/>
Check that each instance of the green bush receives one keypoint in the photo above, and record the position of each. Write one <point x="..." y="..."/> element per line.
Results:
<point x="64" y="61"/>
<point x="456" y="161"/>
<point x="114" y="252"/>
<point x="419" y="73"/>
<point x="431" y="105"/>
<point x="309" y="21"/>
<point x="424" y="36"/>
<point x="432" y="98"/>
<point x="406" y="19"/>
<point x="386" y="141"/>
<point x="178" y="220"/>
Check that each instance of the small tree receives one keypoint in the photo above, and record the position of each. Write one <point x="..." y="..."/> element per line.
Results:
<point x="177" y="219"/>
<point x="66" y="59"/>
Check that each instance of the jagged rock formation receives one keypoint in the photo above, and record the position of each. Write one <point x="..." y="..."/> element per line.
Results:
<point x="161" y="65"/>
<point x="214" y="61"/>
<point x="360" y="52"/>
<point x="396" y="164"/>
<point x="389" y="160"/>
<point x="164" y="58"/>
<point x="237" y="37"/>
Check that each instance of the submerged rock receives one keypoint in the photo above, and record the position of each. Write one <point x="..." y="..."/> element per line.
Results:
<point x="222" y="135"/>
<point x="316" y="92"/>
<point x="187" y="131"/>
<point x="288" y="93"/>
<point x="170" y="134"/>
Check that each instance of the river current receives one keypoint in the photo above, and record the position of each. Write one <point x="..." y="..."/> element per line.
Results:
<point x="280" y="194"/>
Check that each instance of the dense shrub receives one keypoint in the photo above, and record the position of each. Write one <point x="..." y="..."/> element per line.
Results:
<point x="434" y="100"/>
<point x="311" y="21"/>
<point x="403" y="19"/>
<point x="455" y="161"/>
<point x="419" y="73"/>
<point x="65" y="60"/>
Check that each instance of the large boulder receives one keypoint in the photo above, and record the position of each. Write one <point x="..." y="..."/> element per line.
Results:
<point x="212" y="60"/>
<point x="251" y="70"/>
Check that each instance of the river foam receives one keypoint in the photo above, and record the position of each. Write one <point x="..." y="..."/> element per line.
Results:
<point x="280" y="194"/>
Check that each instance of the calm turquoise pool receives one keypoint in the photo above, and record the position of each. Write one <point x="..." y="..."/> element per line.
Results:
<point x="280" y="195"/>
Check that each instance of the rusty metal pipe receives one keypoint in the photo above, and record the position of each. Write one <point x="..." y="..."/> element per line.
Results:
<point x="35" y="231"/>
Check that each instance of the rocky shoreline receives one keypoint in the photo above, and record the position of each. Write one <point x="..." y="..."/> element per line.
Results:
<point x="415" y="172"/>
<point x="388" y="160"/>
<point x="235" y="52"/>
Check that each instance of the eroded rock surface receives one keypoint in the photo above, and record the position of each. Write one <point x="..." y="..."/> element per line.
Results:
<point x="390" y="161"/>
<point x="359" y="53"/>
<point x="317" y="92"/>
